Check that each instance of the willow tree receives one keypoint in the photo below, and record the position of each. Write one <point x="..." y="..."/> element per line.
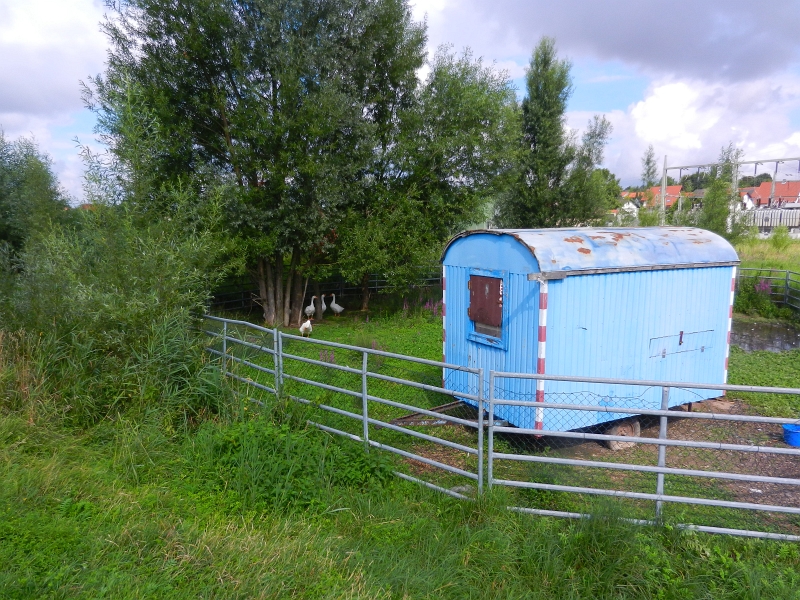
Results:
<point x="452" y="146"/>
<point x="285" y="99"/>
<point x="30" y="196"/>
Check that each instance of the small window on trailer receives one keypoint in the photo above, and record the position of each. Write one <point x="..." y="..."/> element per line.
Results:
<point x="486" y="305"/>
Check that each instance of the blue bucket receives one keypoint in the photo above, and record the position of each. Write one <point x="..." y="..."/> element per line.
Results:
<point x="791" y="434"/>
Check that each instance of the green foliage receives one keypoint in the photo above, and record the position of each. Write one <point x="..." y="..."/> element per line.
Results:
<point x="606" y="188"/>
<point x="751" y="181"/>
<point x="649" y="217"/>
<point x="780" y="239"/>
<point x="696" y="181"/>
<point x="451" y="150"/>
<point x="103" y="314"/>
<point x="551" y="184"/>
<point x="275" y="466"/>
<point x="314" y="117"/>
<point x="715" y="213"/>
<point x="31" y="200"/>
<point x="753" y="297"/>
<point x="649" y="168"/>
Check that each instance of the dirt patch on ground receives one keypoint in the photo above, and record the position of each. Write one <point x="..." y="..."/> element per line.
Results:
<point x="443" y="454"/>
<point x="748" y="434"/>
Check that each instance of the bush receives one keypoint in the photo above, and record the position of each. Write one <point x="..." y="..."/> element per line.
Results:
<point x="102" y="321"/>
<point x="780" y="238"/>
<point x="753" y="297"/>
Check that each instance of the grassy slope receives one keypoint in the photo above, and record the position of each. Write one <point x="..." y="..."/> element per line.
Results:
<point x="72" y="524"/>
<point x="760" y="254"/>
<point x="118" y="512"/>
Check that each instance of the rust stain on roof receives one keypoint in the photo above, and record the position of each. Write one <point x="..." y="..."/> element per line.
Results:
<point x="584" y="251"/>
<point x="574" y="239"/>
<point x="618" y="237"/>
<point x="597" y="237"/>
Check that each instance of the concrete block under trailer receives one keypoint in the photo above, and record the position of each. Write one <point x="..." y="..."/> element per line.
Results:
<point x="651" y="303"/>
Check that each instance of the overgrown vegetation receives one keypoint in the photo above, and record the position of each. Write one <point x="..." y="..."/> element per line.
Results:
<point x="97" y="319"/>
<point x="236" y="138"/>
<point x="754" y="297"/>
<point x="781" y="252"/>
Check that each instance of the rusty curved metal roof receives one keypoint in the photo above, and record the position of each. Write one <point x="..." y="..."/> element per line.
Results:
<point x="585" y="250"/>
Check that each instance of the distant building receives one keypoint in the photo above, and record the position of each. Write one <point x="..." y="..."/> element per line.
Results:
<point x="652" y="197"/>
<point x="785" y="195"/>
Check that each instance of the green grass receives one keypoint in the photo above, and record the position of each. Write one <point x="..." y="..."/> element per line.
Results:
<point x="761" y="254"/>
<point x="253" y="504"/>
<point x="73" y="524"/>
<point x="767" y="369"/>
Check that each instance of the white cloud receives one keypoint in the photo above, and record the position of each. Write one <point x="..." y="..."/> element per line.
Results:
<point x="47" y="48"/>
<point x="691" y="120"/>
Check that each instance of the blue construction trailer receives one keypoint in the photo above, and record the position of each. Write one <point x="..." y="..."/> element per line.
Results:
<point x="651" y="303"/>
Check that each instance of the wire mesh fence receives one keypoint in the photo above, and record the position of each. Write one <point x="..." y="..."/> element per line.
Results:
<point x="712" y="463"/>
<point x="387" y="401"/>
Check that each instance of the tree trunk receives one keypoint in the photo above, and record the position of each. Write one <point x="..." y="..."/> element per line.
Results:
<point x="278" y="288"/>
<point x="266" y="290"/>
<point x="287" y="294"/>
<point x="297" y="299"/>
<point x="365" y="292"/>
<point x="318" y="294"/>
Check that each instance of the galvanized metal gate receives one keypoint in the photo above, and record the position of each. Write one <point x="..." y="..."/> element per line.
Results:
<point x="714" y="466"/>
<point x="381" y="399"/>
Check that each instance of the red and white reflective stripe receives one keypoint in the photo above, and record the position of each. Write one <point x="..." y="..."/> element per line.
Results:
<point x="444" y="321"/>
<point x="730" y="323"/>
<point x="541" y="354"/>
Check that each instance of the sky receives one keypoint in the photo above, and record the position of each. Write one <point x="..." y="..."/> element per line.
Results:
<point x="686" y="77"/>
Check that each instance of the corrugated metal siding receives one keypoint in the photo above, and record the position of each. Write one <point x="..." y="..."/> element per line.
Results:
<point x="599" y="325"/>
<point x="602" y="326"/>
<point x="522" y="297"/>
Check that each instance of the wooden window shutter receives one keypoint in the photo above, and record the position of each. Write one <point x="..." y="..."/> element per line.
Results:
<point x="486" y="304"/>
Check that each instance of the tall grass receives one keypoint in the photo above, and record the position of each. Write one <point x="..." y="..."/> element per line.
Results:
<point x="99" y="321"/>
<point x="776" y="252"/>
<point x="72" y="525"/>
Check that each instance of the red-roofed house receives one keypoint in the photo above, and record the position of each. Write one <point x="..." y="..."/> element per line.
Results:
<point x="786" y="192"/>
<point x="673" y="191"/>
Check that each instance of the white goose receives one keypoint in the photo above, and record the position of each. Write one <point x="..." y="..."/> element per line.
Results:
<point x="323" y="305"/>
<point x="336" y="308"/>
<point x="305" y="328"/>
<point x="310" y="309"/>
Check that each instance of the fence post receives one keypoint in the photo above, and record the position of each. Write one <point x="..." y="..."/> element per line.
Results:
<point x="364" y="399"/>
<point x="786" y="290"/>
<point x="279" y="356"/>
<point x="276" y="361"/>
<point x="490" y="469"/>
<point x="662" y="449"/>
<point x="224" y="348"/>
<point x="480" y="431"/>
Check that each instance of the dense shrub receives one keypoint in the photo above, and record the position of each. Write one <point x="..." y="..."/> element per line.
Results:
<point x="99" y="320"/>
<point x="753" y="297"/>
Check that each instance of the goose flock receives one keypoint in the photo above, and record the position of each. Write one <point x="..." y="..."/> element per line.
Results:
<point x="311" y="309"/>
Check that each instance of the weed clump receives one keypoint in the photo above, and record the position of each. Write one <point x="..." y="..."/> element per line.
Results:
<point x="264" y="465"/>
<point x="754" y="297"/>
